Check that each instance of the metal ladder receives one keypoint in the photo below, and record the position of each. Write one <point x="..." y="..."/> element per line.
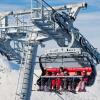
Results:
<point x="25" y="79"/>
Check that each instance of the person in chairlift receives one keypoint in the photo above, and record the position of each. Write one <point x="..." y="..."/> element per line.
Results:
<point x="59" y="81"/>
<point x="81" y="87"/>
<point x="65" y="81"/>
<point x="53" y="82"/>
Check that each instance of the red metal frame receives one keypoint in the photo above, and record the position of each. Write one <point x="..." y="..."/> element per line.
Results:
<point x="71" y="70"/>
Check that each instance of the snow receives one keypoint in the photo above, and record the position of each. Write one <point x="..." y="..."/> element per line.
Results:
<point x="8" y="85"/>
<point x="8" y="80"/>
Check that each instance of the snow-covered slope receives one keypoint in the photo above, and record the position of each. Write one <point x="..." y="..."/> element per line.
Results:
<point x="8" y="84"/>
<point x="8" y="80"/>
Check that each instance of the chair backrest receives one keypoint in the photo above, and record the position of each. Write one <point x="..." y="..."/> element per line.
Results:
<point x="72" y="71"/>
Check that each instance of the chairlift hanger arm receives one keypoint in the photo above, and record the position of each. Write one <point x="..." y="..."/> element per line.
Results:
<point x="65" y="22"/>
<point x="87" y="47"/>
<point x="41" y="66"/>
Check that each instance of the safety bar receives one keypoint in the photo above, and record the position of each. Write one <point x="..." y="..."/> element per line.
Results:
<point x="61" y="76"/>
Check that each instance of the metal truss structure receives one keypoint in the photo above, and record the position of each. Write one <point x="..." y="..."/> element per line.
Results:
<point x="22" y="31"/>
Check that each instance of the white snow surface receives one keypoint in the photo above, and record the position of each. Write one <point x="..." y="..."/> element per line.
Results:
<point x="9" y="79"/>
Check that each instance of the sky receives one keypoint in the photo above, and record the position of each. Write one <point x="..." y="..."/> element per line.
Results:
<point x="88" y="20"/>
<point x="94" y="5"/>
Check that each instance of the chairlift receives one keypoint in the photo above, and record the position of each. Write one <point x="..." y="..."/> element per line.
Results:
<point x="72" y="64"/>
